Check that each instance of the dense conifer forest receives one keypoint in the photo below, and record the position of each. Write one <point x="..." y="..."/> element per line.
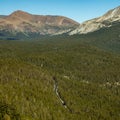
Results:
<point x="86" y="69"/>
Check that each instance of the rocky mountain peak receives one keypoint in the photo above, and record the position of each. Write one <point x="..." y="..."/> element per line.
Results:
<point x="113" y="14"/>
<point x="20" y="14"/>
<point x="20" y="21"/>
<point x="95" y="24"/>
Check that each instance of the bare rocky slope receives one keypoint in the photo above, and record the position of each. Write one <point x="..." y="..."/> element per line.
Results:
<point x="22" y="25"/>
<point x="95" y="24"/>
<point x="20" y="21"/>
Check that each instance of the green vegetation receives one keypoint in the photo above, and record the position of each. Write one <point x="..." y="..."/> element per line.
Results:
<point x="105" y="38"/>
<point x="88" y="79"/>
<point x="8" y="112"/>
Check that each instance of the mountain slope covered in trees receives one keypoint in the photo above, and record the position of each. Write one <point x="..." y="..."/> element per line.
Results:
<point x="87" y="78"/>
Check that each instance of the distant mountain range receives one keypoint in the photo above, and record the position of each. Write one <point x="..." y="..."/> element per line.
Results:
<point x="20" y="24"/>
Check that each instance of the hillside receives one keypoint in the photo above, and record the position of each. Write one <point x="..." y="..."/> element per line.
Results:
<point x="20" y="22"/>
<point x="48" y="74"/>
<point x="87" y="80"/>
<point x="106" y="38"/>
<point x="23" y="25"/>
<point x="95" y="24"/>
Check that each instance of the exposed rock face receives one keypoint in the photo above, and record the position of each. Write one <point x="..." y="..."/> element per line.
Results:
<point x="20" y="21"/>
<point x="27" y="24"/>
<point x="97" y="23"/>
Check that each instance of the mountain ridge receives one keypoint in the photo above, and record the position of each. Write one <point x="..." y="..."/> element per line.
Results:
<point x="98" y="23"/>
<point x="20" y="21"/>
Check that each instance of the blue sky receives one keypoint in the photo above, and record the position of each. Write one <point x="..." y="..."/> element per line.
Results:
<point x="79" y="10"/>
